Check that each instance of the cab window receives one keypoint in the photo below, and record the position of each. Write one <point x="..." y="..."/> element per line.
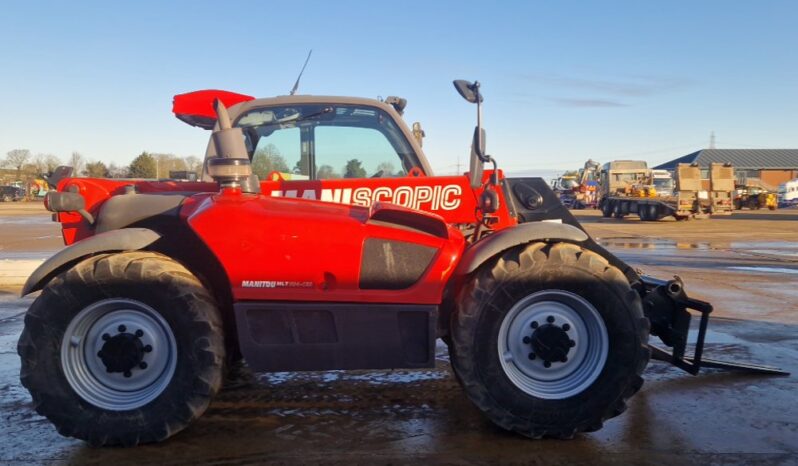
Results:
<point x="323" y="141"/>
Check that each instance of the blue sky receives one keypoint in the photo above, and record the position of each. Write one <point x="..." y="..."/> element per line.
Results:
<point x="563" y="81"/>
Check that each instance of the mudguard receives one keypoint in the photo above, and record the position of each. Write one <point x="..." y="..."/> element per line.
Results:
<point x="127" y="239"/>
<point x="491" y="245"/>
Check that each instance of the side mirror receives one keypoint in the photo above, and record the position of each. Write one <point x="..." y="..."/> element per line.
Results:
<point x="469" y="91"/>
<point x="478" y="142"/>
<point x="58" y="174"/>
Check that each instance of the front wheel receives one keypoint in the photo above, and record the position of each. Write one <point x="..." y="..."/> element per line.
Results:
<point x="122" y="349"/>
<point x="549" y="340"/>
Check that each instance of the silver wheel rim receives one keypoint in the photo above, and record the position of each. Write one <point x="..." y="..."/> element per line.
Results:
<point x="585" y="358"/>
<point x="89" y="376"/>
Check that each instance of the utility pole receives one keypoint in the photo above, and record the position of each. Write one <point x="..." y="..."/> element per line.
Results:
<point x="458" y="166"/>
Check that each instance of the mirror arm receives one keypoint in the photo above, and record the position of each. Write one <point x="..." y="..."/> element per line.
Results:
<point x="475" y="88"/>
<point x="86" y="215"/>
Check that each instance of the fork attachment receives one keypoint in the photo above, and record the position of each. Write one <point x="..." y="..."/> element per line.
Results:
<point x="666" y="305"/>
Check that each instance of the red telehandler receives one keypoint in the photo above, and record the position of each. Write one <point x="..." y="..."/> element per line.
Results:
<point x="350" y="254"/>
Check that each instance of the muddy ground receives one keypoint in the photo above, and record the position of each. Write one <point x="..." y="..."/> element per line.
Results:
<point x="746" y="265"/>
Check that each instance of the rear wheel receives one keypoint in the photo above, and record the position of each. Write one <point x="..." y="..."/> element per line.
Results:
<point x="617" y="210"/>
<point x="549" y="340"/>
<point x="606" y="209"/>
<point x="122" y="349"/>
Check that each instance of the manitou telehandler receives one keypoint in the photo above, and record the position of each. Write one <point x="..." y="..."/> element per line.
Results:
<point x="349" y="254"/>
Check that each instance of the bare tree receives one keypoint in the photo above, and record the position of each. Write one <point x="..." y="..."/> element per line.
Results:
<point x="116" y="171"/>
<point x="46" y="163"/>
<point x="76" y="162"/>
<point x="193" y="164"/>
<point x="16" y="159"/>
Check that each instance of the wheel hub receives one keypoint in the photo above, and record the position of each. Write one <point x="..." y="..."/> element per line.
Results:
<point x="551" y="343"/>
<point x="118" y="354"/>
<point x="124" y="351"/>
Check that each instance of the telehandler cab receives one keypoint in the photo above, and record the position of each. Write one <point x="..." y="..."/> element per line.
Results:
<point x="349" y="254"/>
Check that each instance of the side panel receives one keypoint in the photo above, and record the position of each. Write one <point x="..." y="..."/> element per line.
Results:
<point x="325" y="336"/>
<point x="303" y="250"/>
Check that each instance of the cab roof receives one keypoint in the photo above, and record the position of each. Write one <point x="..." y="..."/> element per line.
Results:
<point x="196" y="108"/>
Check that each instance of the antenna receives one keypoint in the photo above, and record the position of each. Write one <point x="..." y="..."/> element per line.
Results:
<point x="712" y="140"/>
<point x="296" y="84"/>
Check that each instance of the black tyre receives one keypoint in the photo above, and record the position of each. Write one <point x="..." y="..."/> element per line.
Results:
<point x="606" y="209"/>
<point x="653" y="213"/>
<point x="549" y="340"/>
<point x="6" y="198"/>
<point x="617" y="210"/>
<point x="642" y="212"/>
<point x="122" y="349"/>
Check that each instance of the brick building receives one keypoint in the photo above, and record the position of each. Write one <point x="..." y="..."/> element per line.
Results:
<point x="765" y="167"/>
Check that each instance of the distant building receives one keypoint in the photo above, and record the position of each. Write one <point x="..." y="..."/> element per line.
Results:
<point x="765" y="167"/>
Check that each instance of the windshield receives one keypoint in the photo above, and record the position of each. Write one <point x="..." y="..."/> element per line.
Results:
<point x="663" y="184"/>
<point x="325" y="141"/>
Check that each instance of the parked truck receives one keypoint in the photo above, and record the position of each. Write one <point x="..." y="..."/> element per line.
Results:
<point x="629" y="187"/>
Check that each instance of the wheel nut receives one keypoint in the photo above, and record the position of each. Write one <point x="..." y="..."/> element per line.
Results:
<point x="106" y="336"/>
<point x="527" y="340"/>
<point x="546" y="364"/>
<point x="121" y="329"/>
<point x="147" y="348"/>
<point x="531" y="356"/>
<point x="142" y="365"/>
<point x="550" y="319"/>
<point x="99" y="354"/>
<point x="128" y="374"/>
<point x="564" y="359"/>
<point x="139" y="333"/>
<point x="534" y="324"/>
<point x="571" y="343"/>
<point x="566" y="327"/>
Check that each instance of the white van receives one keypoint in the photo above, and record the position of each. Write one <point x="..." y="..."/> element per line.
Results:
<point x="788" y="193"/>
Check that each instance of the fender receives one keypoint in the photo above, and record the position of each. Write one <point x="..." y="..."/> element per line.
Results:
<point x="523" y="233"/>
<point x="127" y="239"/>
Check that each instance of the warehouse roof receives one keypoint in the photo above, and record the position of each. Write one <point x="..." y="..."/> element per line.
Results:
<point x="747" y="159"/>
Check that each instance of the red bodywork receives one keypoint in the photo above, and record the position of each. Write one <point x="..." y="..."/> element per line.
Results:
<point x="196" y="108"/>
<point x="302" y="240"/>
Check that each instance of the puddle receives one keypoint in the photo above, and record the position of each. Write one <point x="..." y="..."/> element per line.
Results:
<point x="371" y="377"/>
<point x="25" y="255"/>
<point x="766" y="269"/>
<point x="764" y="244"/>
<point x="26" y="220"/>
<point x="715" y="337"/>
<point x="644" y="243"/>
<point x="782" y="249"/>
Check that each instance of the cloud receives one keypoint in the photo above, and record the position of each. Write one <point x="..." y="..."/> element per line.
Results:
<point x="630" y="86"/>
<point x="588" y="103"/>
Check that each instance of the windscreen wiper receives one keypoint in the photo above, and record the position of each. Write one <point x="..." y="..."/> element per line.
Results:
<point x="297" y="118"/>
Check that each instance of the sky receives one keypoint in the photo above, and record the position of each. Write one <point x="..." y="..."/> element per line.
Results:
<point x="562" y="81"/>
